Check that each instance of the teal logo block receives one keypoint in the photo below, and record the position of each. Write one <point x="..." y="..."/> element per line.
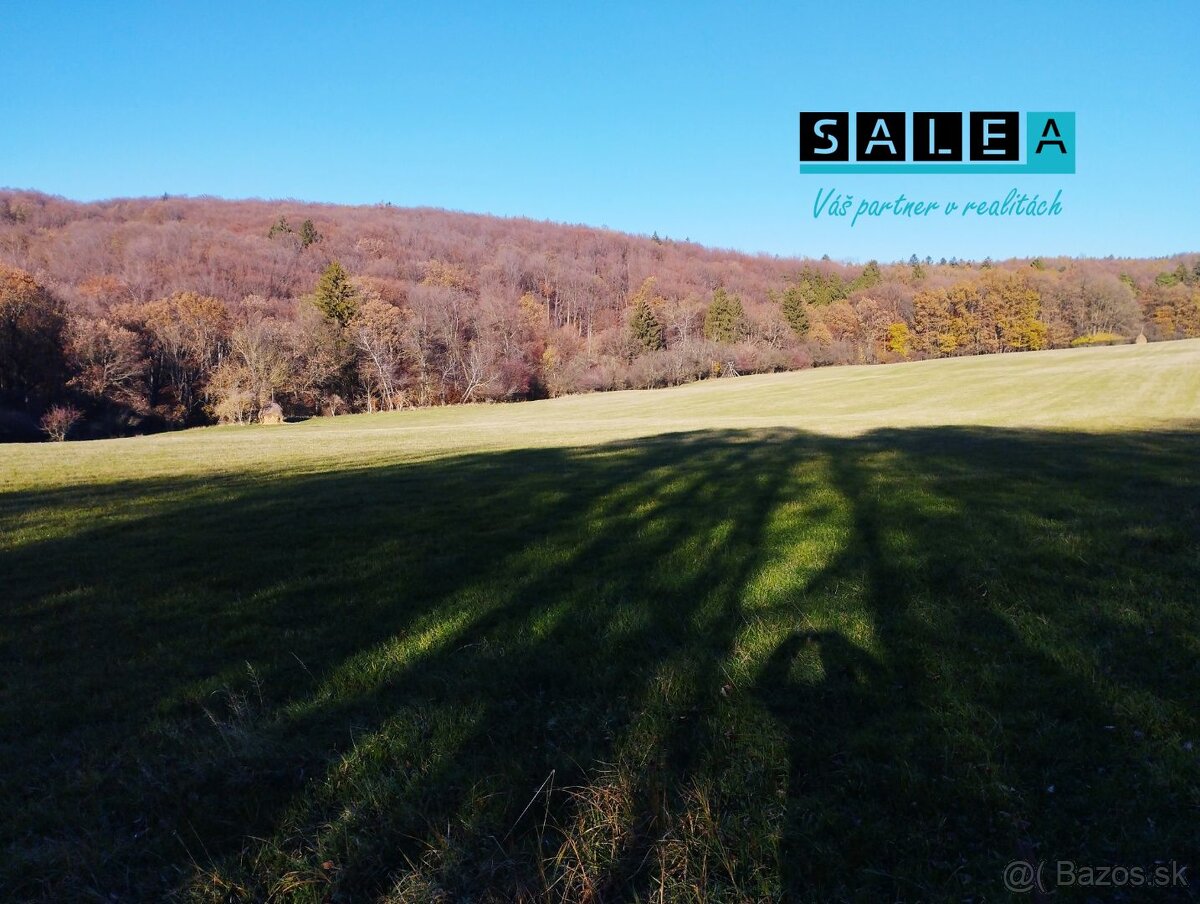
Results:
<point x="1050" y="142"/>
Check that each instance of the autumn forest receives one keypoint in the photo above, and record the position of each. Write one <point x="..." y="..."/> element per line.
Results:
<point x="132" y="316"/>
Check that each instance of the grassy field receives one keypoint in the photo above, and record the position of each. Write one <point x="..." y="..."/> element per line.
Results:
<point x="856" y="633"/>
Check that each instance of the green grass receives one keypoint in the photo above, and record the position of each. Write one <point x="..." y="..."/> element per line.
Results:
<point x="858" y="633"/>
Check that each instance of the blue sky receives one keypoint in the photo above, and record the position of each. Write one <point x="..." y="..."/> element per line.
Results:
<point x="680" y="119"/>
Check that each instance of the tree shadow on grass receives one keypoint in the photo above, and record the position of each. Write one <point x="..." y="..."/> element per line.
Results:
<point x="710" y="665"/>
<point x="1025" y="684"/>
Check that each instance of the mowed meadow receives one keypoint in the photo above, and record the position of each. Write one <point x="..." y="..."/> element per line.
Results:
<point x="859" y="633"/>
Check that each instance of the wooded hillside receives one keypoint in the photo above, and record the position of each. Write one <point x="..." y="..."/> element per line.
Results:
<point x="132" y="315"/>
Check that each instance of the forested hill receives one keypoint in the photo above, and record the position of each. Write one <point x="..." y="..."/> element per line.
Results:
<point x="138" y="314"/>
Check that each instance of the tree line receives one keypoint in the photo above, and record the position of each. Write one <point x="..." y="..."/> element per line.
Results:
<point x="132" y="316"/>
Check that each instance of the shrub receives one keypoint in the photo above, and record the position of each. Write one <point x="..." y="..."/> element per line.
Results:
<point x="333" y="405"/>
<point x="691" y="361"/>
<point x="232" y="405"/>
<point x="58" y="421"/>
<point x="800" y="358"/>
<point x="1099" y="339"/>
<point x="602" y="376"/>
<point x="650" y="371"/>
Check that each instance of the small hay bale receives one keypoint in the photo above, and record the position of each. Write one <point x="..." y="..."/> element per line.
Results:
<point x="271" y="414"/>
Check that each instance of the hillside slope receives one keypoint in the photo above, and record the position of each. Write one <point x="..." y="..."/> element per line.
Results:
<point x="148" y="314"/>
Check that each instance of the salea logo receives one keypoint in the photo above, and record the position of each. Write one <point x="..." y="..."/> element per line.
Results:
<point x="975" y="143"/>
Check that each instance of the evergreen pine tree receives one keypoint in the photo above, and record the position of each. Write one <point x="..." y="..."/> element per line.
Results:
<point x="280" y="228"/>
<point x="335" y="295"/>
<point x="871" y="277"/>
<point x="645" y="326"/>
<point x="795" y="310"/>
<point x="309" y="234"/>
<point x="725" y="320"/>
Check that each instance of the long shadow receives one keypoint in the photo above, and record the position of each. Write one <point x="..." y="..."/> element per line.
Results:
<point x="884" y="666"/>
<point x="137" y="651"/>
<point x="989" y="717"/>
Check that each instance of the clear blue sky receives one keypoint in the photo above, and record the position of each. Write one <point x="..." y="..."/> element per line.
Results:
<point x="641" y="117"/>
